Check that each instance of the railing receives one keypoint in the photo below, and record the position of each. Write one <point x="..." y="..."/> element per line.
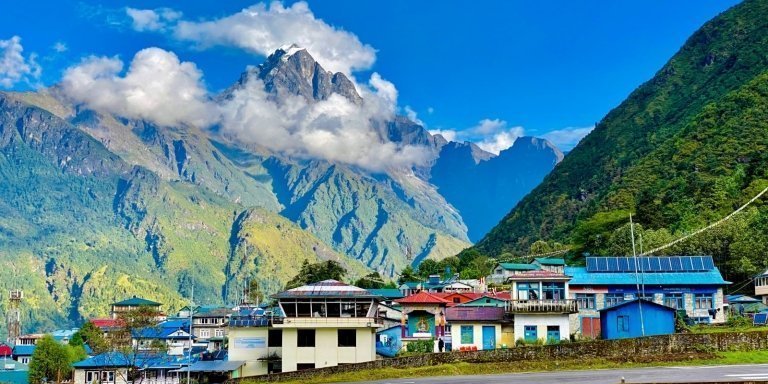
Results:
<point x="168" y="380"/>
<point x="543" y="306"/>
<point x="333" y="320"/>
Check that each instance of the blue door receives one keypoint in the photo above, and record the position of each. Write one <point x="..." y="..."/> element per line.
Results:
<point x="553" y="333"/>
<point x="622" y="326"/>
<point x="530" y="333"/>
<point x="489" y="337"/>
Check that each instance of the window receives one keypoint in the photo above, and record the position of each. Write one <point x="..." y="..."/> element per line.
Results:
<point x="467" y="334"/>
<point x="553" y="291"/>
<point x="585" y="300"/>
<point x="674" y="300"/>
<point x="527" y="291"/>
<point x="275" y="337"/>
<point x="289" y="307"/>
<point x="219" y="333"/>
<point x="347" y="338"/>
<point x="91" y="376"/>
<point x="646" y="296"/>
<point x="205" y="333"/>
<point x="301" y="367"/>
<point x="306" y="338"/>
<point x="622" y="323"/>
<point x="703" y="301"/>
<point x="612" y="299"/>
<point x="456" y="300"/>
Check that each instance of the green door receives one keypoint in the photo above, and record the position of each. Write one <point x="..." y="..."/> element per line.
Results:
<point x="530" y="333"/>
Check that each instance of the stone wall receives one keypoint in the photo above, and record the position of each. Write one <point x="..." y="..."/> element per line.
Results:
<point x="644" y="346"/>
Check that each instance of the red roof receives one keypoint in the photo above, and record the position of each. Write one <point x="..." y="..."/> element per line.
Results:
<point x="5" y="350"/>
<point x="422" y="298"/>
<point x="106" y="323"/>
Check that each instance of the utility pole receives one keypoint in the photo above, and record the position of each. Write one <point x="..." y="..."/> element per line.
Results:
<point x="189" y="352"/>
<point x="634" y="254"/>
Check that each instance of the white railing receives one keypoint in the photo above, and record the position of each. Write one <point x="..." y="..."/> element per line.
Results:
<point x="543" y="306"/>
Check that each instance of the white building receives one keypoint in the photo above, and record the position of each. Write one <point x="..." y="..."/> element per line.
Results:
<point x="540" y="305"/>
<point x="325" y="324"/>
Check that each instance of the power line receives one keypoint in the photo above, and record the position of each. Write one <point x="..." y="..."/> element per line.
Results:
<point x="716" y="223"/>
<point x="552" y="253"/>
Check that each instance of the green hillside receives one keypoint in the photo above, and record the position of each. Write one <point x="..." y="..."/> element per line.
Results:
<point x="684" y="149"/>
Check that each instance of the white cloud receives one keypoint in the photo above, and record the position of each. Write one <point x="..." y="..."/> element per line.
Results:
<point x="60" y="47"/>
<point x="156" y="87"/>
<point x="567" y="138"/>
<point x="492" y="135"/>
<point x="14" y="67"/>
<point x="152" y="19"/>
<point x="262" y="29"/>
<point x="413" y="116"/>
<point x="334" y="129"/>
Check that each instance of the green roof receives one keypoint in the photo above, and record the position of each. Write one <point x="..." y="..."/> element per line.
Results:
<point x="518" y="267"/>
<point x="550" y="261"/>
<point x="387" y="293"/>
<point x="137" y="301"/>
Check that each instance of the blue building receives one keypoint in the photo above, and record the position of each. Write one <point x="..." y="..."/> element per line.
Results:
<point x="689" y="284"/>
<point x="636" y="318"/>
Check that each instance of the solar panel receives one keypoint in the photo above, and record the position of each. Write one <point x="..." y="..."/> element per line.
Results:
<point x="655" y="264"/>
<point x="677" y="264"/>
<point x="602" y="264"/>
<point x="698" y="263"/>
<point x="613" y="264"/>
<point x="687" y="263"/>
<point x="760" y="319"/>
<point x="591" y="264"/>
<point x="624" y="263"/>
<point x="664" y="264"/>
<point x="709" y="264"/>
<point x="645" y="264"/>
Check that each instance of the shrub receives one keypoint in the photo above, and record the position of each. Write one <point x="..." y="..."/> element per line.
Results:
<point x="421" y="346"/>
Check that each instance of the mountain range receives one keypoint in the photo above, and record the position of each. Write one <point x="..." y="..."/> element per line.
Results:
<point x="95" y="206"/>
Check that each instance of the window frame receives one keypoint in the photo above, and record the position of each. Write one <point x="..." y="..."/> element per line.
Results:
<point x="679" y="298"/>
<point x="583" y="301"/>
<point x="303" y="338"/>
<point x="344" y="336"/>
<point x="705" y="297"/>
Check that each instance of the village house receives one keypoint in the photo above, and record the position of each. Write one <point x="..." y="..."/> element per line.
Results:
<point x="134" y="303"/>
<point x="325" y="324"/>
<point x="761" y="286"/>
<point x="209" y="325"/>
<point x="479" y="327"/>
<point x="540" y="305"/>
<point x="690" y="284"/>
<point x="636" y="318"/>
<point x="423" y="317"/>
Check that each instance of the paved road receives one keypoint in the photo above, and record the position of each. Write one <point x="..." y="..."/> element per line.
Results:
<point x="607" y="376"/>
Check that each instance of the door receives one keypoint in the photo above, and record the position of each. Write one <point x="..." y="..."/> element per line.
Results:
<point x="553" y="333"/>
<point x="489" y="337"/>
<point x="590" y="327"/>
<point x="530" y="333"/>
<point x="622" y="325"/>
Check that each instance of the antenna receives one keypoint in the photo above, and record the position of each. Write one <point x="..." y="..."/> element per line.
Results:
<point x="189" y="353"/>
<point x="634" y="254"/>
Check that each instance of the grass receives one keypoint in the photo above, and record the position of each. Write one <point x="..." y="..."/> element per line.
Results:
<point x="465" y="368"/>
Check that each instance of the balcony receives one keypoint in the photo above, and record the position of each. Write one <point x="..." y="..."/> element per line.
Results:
<point x="543" y="306"/>
<point x="330" y="322"/>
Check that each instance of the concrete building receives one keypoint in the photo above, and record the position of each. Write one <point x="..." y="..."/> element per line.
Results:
<point x="480" y="328"/>
<point x="761" y="287"/>
<point x="132" y="304"/>
<point x="325" y="324"/>
<point x="540" y="305"/>
<point x="209" y="325"/>
<point x="691" y="284"/>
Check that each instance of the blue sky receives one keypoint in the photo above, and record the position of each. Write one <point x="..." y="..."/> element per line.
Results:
<point x="472" y="70"/>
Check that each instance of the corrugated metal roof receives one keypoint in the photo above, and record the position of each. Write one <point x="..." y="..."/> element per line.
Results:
<point x="213" y="366"/>
<point x="138" y="301"/>
<point x="23" y="350"/>
<point x="387" y="293"/>
<point x="550" y="261"/>
<point x="422" y="298"/>
<point x="519" y="266"/>
<point x="580" y="276"/>
<point x="326" y="288"/>
<point x="474" y="314"/>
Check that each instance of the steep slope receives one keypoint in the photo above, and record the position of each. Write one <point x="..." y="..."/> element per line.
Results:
<point x="80" y="227"/>
<point x="652" y="152"/>
<point x="480" y="184"/>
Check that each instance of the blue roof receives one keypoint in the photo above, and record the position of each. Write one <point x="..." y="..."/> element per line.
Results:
<point x="387" y="293"/>
<point x="108" y="359"/>
<point x="158" y="333"/>
<point x="213" y="366"/>
<point x="550" y="261"/>
<point x="23" y="350"/>
<point x="582" y="277"/>
<point x="14" y="377"/>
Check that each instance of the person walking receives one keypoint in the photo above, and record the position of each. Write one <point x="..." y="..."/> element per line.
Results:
<point x="440" y="345"/>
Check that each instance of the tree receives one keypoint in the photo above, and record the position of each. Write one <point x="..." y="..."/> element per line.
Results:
<point x="93" y="336"/>
<point x="51" y="361"/>
<point x="136" y="327"/>
<point x="370" y="281"/>
<point x="313" y="273"/>
<point x="428" y="267"/>
<point x="253" y="292"/>
<point x="407" y="274"/>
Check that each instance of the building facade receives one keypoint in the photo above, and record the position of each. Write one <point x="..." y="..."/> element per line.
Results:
<point x="540" y="305"/>
<point x="689" y="284"/>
